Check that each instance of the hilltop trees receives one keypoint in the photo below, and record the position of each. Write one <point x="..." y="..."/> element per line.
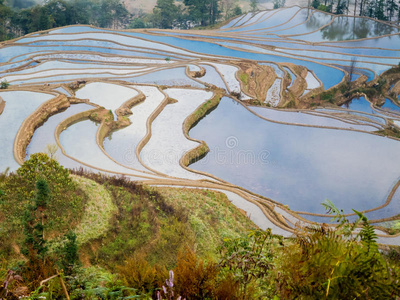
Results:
<point x="165" y="13"/>
<point x="20" y="18"/>
<point x="5" y="17"/>
<point x="112" y="14"/>
<point x="205" y="12"/>
<point x="253" y="5"/>
<point x="56" y="13"/>
<point x="279" y="3"/>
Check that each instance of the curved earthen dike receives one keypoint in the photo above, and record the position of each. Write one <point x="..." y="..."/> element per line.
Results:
<point x="196" y="153"/>
<point x="108" y="127"/>
<point x="35" y="120"/>
<point x="2" y="105"/>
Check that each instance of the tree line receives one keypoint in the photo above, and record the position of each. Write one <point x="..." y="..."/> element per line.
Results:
<point x="385" y="10"/>
<point x="189" y="13"/>
<point x="19" y="17"/>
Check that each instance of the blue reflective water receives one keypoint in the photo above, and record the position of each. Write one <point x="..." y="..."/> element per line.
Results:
<point x="44" y="135"/>
<point x="391" y="106"/>
<point x="298" y="166"/>
<point x="359" y="50"/>
<point x="316" y="21"/>
<point x="359" y="104"/>
<point x="232" y="22"/>
<point x="277" y="17"/>
<point x="102" y="46"/>
<point x="292" y="76"/>
<point x="327" y="75"/>
<point x="171" y="77"/>
<point x="75" y="29"/>
<point x="388" y="42"/>
<point x="19" y="105"/>
<point x="238" y="21"/>
<point x="350" y="28"/>
<point x="212" y="77"/>
<point x="300" y="17"/>
<point x="306" y="118"/>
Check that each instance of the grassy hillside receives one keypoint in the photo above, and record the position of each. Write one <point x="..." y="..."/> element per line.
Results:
<point x="113" y="219"/>
<point x="91" y="236"/>
<point x="158" y="222"/>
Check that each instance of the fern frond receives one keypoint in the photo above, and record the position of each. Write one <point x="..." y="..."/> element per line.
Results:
<point x="330" y="207"/>
<point x="367" y="234"/>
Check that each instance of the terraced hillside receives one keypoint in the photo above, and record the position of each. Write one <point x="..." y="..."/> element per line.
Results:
<point x="257" y="108"/>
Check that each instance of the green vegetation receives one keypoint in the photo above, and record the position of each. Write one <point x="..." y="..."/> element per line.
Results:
<point x="203" y="110"/>
<point x="244" y="77"/>
<point x="128" y="236"/>
<point x="279" y="3"/>
<point x="329" y="95"/>
<point x="165" y="13"/>
<point x="91" y="226"/>
<point x="204" y="12"/>
<point x="253" y="5"/>
<point x="154" y="222"/>
<point x="390" y="131"/>
<point x="393" y="70"/>
<point x="63" y="211"/>
<point x="4" y="85"/>
<point x="23" y="19"/>
<point x="335" y="264"/>
<point x="19" y="18"/>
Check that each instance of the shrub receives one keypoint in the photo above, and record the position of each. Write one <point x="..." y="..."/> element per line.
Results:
<point x="200" y="279"/>
<point x="250" y="259"/>
<point x="65" y="207"/>
<point x="331" y="263"/>
<point x="39" y="265"/>
<point x="139" y="274"/>
<point x="4" y="85"/>
<point x="195" y="278"/>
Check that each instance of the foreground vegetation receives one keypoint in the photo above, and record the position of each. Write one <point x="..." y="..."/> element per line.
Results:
<point x="89" y="236"/>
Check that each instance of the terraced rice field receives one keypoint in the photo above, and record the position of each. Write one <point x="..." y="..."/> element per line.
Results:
<point x="134" y="103"/>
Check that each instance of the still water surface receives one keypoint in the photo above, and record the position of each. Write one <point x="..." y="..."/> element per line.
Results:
<point x="298" y="166"/>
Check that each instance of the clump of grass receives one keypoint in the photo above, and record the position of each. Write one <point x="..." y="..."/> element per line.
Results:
<point x="244" y="77"/>
<point x="329" y="95"/>
<point x="98" y="212"/>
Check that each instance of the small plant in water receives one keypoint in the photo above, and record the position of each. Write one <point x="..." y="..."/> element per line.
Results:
<point x="168" y="291"/>
<point x="4" y="85"/>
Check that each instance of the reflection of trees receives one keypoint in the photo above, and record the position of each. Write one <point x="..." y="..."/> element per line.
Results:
<point x="317" y="20"/>
<point x="382" y="29"/>
<point x="338" y="30"/>
<point x="361" y="28"/>
<point x="348" y="28"/>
